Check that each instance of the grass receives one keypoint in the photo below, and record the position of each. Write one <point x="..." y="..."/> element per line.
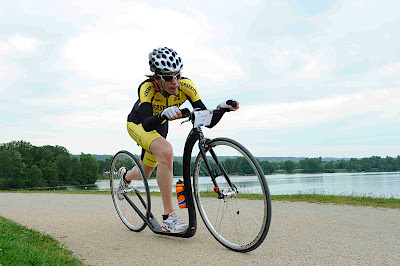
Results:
<point x="355" y="200"/>
<point x="20" y="245"/>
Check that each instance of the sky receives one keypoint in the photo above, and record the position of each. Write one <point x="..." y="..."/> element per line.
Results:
<point x="313" y="78"/>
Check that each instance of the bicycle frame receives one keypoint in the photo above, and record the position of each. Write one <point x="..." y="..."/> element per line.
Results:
<point x="210" y="161"/>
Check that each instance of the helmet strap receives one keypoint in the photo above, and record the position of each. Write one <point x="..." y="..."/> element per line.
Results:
<point x="160" y="88"/>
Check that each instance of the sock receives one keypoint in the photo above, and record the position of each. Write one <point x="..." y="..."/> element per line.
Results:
<point x="128" y="182"/>
<point x="165" y="216"/>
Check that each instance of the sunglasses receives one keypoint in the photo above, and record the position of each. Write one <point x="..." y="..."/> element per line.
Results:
<point x="171" y="77"/>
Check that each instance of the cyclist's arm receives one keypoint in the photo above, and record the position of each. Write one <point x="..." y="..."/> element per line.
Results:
<point x="198" y="104"/>
<point x="148" y="120"/>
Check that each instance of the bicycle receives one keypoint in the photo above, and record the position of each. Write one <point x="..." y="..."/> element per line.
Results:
<point x="226" y="179"/>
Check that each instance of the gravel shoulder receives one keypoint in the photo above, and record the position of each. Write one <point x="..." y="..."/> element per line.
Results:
<point x="300" y="233"/>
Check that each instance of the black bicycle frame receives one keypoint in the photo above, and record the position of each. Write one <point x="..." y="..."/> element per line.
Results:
<point x="195" y="135"/>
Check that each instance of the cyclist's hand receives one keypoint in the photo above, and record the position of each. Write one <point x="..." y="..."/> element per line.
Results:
<point x="232" y="105"/>
<point x="172" y="113"/>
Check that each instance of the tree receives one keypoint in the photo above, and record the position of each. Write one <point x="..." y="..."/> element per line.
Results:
<point x="267" y="167"/>
<point x="35" y="177"/>
<point x="178" y="168"/>
<point x="105" y="165"/>
<point x="64" y="169"/>
<point x="289" y="166"/>
<point x="77" y="172"/>
<point x="50" y="173"/>
<point x="90" y="169"/>
<point x="329" y="167"/>
<point x="311" y="165"/>
<point x="24" y="148"/>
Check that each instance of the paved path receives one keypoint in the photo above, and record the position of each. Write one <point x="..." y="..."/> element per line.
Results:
<point x="300" y="234"/>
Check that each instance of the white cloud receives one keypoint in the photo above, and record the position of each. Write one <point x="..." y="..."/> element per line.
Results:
<point x="313" y="69"/>
<point x="321" y="111"/>
<point x="18" y="43"/>
<point x="6" y="74"/>
<point x="115" y="48"/>
<point x="293" y="63"/>
<point x="390" y="69"/>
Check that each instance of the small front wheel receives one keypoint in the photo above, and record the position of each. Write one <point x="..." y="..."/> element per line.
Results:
<point x="239" y="215"/>
<point x="137" y="191"/>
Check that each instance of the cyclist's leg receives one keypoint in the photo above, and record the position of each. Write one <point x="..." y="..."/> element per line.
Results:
<point x="144" y="139"/>
<point x="148" y="163"/>
<point x="163" y="152"/>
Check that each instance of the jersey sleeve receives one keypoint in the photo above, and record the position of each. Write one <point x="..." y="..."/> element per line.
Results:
<point x="189" y="89"/>
<point x="146" y="92"/>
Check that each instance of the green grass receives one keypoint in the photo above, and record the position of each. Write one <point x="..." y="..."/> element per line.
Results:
<point x="20" y="245"/>
<point x="355" y="200"/>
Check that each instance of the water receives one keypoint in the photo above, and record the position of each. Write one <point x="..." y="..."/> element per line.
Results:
<point x="382" y="184"/>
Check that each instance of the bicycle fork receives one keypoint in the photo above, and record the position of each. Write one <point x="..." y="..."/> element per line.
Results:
<point x="203" y="146"/>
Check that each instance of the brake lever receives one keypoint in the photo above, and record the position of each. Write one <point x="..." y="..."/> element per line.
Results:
<point x="185" y="121"/>
<point x="185" y="113"/>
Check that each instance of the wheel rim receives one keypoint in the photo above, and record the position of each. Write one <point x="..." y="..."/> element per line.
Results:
<point x="236" y="222"/>
<point x="137" y="192"/>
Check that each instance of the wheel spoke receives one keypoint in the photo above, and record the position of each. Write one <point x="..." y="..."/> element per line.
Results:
<point x="125" y="211"/>
<point x="238" y="223"/>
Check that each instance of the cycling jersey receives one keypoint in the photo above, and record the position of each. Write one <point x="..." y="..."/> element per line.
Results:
<point x="153" y="102"/>
<point x="144" y="123"/>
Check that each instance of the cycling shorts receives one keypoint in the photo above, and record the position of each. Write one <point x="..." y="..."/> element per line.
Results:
<point x="144" y="139"/>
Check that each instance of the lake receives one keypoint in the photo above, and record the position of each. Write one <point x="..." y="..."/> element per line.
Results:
<point x="379" y="184"/>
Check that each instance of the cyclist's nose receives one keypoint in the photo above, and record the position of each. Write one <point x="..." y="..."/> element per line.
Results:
<point x="175" y="81"/>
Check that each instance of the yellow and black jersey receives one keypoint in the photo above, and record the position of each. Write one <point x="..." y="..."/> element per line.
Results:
<point x="150" y="95"/>
<point x="149" y="92"/>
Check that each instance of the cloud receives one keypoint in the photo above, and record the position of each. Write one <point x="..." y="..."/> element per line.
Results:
<point x="295" y="64"/>
<point x="318" y="112"/>
<point x="393" y="68"/>
<point x="313" y="69"/>
<point x="7" y="74"/>
<point x="115" y="47"/>
<point x="18" y="43"/>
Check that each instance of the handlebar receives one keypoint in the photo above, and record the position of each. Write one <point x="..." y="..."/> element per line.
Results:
<point x="214" y="115"/>
<point x="207" y="118"/>
<point x="187" y="113"/>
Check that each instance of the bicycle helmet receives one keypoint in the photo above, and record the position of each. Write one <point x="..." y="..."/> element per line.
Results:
<point x="164" y="60"/>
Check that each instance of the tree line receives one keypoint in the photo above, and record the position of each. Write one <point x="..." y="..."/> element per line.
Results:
<point x="306" y="165"/>
<point x="23" y="165"/>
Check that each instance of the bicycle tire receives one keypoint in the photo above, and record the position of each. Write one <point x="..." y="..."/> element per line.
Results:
<point x="237" y="222"/>
<point x="137" y="192"/>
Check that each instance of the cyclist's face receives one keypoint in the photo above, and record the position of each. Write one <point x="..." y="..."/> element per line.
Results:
<point x="171" y="86"/>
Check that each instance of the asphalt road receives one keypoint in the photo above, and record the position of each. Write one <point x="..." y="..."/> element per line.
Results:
<point x="300" y="234"/>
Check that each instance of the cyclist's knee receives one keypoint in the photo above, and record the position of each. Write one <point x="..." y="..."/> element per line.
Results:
<point x="166" y="156"/>
<point x="163" y="151"/>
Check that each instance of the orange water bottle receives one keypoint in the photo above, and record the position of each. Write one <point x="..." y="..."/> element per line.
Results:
<point x="180" y="194"/>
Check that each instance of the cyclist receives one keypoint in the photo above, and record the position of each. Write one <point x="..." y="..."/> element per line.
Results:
<point x="159" y="98"/>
